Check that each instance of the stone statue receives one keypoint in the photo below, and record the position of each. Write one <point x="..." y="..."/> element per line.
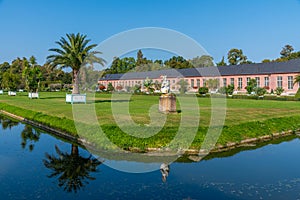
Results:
<point x="165" y="86"/>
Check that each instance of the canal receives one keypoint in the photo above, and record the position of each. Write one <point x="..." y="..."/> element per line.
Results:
<point x="37" y="165"/>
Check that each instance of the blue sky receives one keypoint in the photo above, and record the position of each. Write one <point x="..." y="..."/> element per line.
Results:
<point x="260" y="28"/>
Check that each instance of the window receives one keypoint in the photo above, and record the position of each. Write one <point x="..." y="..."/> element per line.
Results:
<point x="224" y="82"/>
<point x="198" y="83"/>
<point x="267" y="81"/>
<point x="204" y="82"/>
<point x="231" y="81"/>
<point x="257" y="81"/>
<point x="173" y="81"/>
<point x="248" y="80"/>
<point x="240" y="83"/>
<point x="279" y="81"/>
<point x="290" y="82"/>
<point x="192" y="82"/>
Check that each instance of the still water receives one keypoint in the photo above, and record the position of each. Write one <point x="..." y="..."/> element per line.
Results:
<point x="37" y="165"/>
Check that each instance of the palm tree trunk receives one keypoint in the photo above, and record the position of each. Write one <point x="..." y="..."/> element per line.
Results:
<point x="75" y="151"/>
<point x="75" y="82"/>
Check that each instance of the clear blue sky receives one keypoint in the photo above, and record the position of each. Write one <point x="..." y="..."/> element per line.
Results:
<point x="259" y="27"/>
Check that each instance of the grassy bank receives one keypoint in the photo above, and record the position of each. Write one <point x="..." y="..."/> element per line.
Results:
<point x="245" y="118"/>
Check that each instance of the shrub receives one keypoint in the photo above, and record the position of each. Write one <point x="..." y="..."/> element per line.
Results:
<point x="101" y="87"/>
<point x="203" y="90"/>
<point x="226" y="90"/>
<point x="251" y="86"/>
<point x="136" y="89"/>
<point x="223" y="90"/>
<point x="127" y="88"/>
<point x="119" y="87"/>
<point x="260" y="91"/>
<point x="279" y="90"/>
<point x="110" y="87"/>
<point x="266" y="87"/>
<point x="230" y="89"/>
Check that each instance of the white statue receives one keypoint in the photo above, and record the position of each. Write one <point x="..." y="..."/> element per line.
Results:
<point x="165" y="86"/>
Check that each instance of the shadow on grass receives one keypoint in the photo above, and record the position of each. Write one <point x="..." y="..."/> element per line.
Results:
<point x="109" y="101"/>
<point x="57" y="97"/>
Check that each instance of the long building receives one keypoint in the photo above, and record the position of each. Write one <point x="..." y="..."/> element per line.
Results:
<point x="268" y="75"/>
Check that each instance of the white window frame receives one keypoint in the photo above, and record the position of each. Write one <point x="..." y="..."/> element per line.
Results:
<point x="257" y="81"/>
<point x="267" y="81"/>
<point x="279" y="81"/>
<point x="240" y="82"/>
<point x="290" y="82"/>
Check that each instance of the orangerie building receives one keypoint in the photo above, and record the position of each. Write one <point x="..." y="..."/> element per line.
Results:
<point x="268" y="75"/>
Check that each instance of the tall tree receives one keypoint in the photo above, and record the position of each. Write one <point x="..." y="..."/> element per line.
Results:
<point x="121" y="65"/>
<point x="202" y="61"/>
<point x="140" y="60"/>
<point x="236" y="57"/>
<point x="32" y="75"/>
<point x="72" y="53"/>
<point x="178" y="62"/>
<point x="222" y="62"/>
<point x="286" y="51"/>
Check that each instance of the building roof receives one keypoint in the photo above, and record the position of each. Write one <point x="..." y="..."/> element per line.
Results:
<point x="292" y="66"/>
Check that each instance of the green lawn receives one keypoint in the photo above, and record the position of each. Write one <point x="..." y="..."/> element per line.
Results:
<point x="244" y="118"/>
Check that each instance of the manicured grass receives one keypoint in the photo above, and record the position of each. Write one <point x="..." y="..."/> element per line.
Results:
<point x="244" y="119"/>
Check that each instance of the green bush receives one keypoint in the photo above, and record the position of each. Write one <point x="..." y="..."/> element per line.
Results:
<point x="223" y="90"/>
<point x="260" y="91"/>
<point x="203" y="90"/>
<point x="110" y="87"/>
<point x="230" y="89"/>
<point x="279" y="90"/>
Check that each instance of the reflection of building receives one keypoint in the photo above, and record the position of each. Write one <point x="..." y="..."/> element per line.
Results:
<point x="164" y="169"/>
<point x="268" y="75"/>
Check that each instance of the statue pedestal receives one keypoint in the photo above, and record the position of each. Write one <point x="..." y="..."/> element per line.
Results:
<point x="167" y="103"/>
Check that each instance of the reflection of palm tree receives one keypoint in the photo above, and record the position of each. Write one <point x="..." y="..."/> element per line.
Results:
<point x="72" y="169"/>
<point x="30" y="134"/>
<point x="7" y="123"/>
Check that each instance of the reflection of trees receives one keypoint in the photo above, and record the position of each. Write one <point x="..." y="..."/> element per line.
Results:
<point x="30" y="135"/>
<point x="73" y="170"/>
<point x="7" y="123"/>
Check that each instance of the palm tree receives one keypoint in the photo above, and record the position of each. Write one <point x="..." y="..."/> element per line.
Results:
<point x="297" y="79"/>
<point x="74" y="53"/>
<point x="72" y="169"/>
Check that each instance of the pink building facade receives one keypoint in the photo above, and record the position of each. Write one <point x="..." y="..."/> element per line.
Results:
<point x="267" y="75"/>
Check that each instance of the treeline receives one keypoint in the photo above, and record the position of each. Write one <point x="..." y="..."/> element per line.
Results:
<point x="126" y="64"/>
<point x="234" y="57"/>
<point x="26" y="74"/>
<point x="23" y="73"/>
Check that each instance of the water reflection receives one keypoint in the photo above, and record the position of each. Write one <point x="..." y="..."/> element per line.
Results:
<point x="164" y="169"/>
<point x="29" y="135"/>
<point x="7" y="123"/>
<point x="73" y="171"/>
